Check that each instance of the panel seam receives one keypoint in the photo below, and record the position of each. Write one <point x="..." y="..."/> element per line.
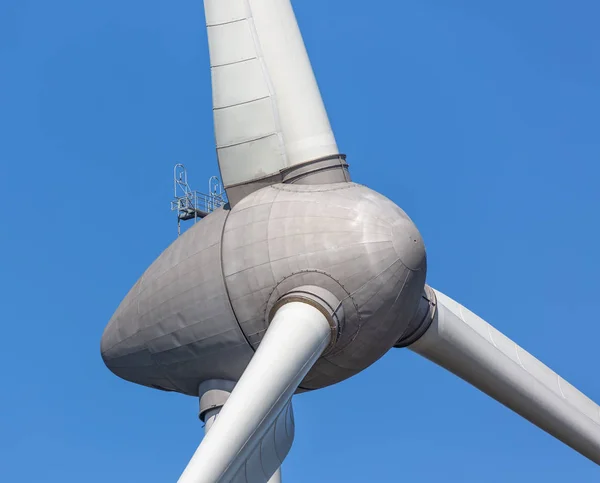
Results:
<point x="225" y="284"/>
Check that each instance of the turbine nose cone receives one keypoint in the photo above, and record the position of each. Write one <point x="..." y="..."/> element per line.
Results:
<point x="342" y="237"/>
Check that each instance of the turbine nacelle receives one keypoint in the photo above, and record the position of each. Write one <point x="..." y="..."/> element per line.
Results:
<point x="202" y="308"/>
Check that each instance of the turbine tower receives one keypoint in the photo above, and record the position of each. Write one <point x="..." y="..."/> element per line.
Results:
<point x="304" y="279"/>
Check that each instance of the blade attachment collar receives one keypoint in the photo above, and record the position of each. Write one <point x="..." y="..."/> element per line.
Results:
<point x="421" y="321"/>
<point x="321" y="299"/>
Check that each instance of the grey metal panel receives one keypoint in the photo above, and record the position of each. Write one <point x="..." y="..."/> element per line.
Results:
<point x="343" y="237"/>
<point x="176" y="327"/>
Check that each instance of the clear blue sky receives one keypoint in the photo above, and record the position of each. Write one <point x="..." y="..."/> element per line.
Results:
<point x="480" y="119"/>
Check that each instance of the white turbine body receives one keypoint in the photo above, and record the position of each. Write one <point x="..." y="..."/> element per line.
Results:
<point x="304" y="279"/>
<point x="268" y="111"/>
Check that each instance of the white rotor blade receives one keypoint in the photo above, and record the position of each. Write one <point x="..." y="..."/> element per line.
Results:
<point x="268" y="111"/>
<point x="249" y="438"/>
<point x="277" y="441"/>
<point x="469" y="347"/>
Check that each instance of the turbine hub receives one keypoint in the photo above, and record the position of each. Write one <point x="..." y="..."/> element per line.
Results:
<point x="202" y="308"/>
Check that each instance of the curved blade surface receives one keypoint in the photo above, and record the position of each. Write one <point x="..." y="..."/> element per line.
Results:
<point x="268" y="111"/>
<point x="469" y="347"/>
<point x="275" y="445"/>
<point x="253" y="433"/>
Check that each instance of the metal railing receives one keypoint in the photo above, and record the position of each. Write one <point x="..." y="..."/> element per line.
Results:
<point x="192" y="204"/>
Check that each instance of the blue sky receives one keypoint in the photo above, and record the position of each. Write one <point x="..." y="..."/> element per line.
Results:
<point x="480" y="119"/>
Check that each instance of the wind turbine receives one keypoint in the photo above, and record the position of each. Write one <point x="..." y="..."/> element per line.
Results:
<point x="304" y="279"/>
